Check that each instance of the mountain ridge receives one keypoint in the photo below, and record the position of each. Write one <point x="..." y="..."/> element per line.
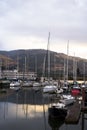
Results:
<point x="34" y="59"/>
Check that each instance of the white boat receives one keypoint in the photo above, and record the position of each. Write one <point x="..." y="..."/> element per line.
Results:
<point x="44" y="83"/>
<point x="65" y="86"/>
<point x="84" y="85"/>
<point x="57" y="111"/>
<point x="59" y="90"/>
<point x="58" y="105"/>
<point x="27" y="84"/>
<point x="67" y="100"/>
<point x="36" y="86"/>
<point x="15" y="85"/>
<point x="50" y="89"/>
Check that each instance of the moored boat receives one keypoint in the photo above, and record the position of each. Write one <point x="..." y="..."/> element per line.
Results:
<point x="67" y="100"/>
<point x="49" y="89"/>
<point x="55" y="123"/>
<point x="57" y="110"/>
<point x="76" y="91"/>
<point x="15" y="85"/>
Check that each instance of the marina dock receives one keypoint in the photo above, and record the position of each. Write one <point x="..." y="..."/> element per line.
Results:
<point x="73" y="114"/>
<point x="84" y="109"/>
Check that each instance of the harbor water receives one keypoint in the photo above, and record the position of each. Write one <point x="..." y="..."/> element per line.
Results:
<point x="28" y="109"/>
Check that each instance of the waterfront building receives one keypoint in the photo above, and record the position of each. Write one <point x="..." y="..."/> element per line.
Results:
<point x="12" y="74"/>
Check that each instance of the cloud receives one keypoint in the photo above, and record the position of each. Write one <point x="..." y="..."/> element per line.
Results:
<point x="27" y="22"/>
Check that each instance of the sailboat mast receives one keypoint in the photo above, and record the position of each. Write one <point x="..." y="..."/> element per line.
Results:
<point x="36" y="64"/>
<point x="0" y="69"/>
<point x="25" y="65"/>
<point x="43" y="74"/>
<point x="74" y="69"/>
<point x="84" y="72"/>
<point x="48" y="47"/>
<point x="67" y="57"/>
<point x="64" y="70"/>
<point x="17" y="75"/>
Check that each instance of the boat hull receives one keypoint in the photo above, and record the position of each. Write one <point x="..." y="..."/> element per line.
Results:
<point x="67" y="101"/>
<point x="59" y="113"/>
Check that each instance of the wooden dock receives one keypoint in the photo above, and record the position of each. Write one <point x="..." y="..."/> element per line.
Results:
<point x="73" y="114"/>
<point x="84" y="109"/>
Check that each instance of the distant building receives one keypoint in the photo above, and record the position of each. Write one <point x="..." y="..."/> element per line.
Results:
<point x="11" y="74"/>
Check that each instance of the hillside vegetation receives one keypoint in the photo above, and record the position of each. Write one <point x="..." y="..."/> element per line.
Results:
<point x="36" y="60"/>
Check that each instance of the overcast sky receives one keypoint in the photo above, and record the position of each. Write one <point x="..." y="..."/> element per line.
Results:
<point x="25" y="24"/>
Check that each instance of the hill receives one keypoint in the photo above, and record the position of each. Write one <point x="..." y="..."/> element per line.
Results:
<point x="34" y="59"/>
<point x="6" y="62"/>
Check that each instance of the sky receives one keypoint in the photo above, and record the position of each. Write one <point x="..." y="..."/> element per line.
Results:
<point x="25" y="24"/>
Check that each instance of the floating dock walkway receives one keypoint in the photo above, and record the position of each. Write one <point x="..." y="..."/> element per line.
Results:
<point x="84" y="109"/>
<point x="73" y="114"/>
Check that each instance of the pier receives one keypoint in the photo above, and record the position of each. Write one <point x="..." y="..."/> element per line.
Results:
<point x="73" y="114"/>
<point x="75" y="111"/>
<point x="84" y="109"/>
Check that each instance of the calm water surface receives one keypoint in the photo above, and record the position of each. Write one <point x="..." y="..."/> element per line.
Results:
<point x="28" y="110"/>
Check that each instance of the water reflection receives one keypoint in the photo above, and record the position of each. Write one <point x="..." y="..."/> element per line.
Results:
<point x="27" y="97"/>
<point x="28" y="109"/>
<point x="55" y="123"/>
<point x="25" y="108"/>
<point x="12" y="110"/>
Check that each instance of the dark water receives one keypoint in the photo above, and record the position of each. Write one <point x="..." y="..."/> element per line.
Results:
<point x="28" y="110"/>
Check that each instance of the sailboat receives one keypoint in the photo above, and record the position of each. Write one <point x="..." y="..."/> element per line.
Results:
<point x="84" y="84"/>
<point x="58" y="111"/>
<point x="36" y="83"/>
<point x="76" y="90"/>
<point x="65" y="87"/>
<point x="50" y="88"/>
